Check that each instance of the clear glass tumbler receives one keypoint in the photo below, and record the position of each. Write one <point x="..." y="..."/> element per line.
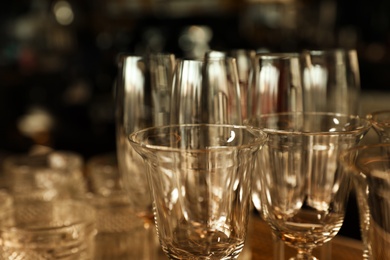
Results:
<point x="46" y="230"/>
<point x="200" y="177"/>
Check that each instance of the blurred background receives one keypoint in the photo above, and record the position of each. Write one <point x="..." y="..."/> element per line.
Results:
<point x="57" y="58"/>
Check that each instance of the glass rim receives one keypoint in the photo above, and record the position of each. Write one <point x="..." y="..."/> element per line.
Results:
<point x="259" y="138"/>
<point x="317" y="52"/>
<point x="363" y="147"/>
<point x="277" y="55"/>
<point x="364" y="127"/>
<point x="370" y="115"/>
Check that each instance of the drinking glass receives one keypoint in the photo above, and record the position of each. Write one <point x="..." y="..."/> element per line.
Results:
<point x="245" y="59"/>
<point x="46" y="230"/>
<point x="331" y="81"/>
<point x="142" y="100"/>
<point x="277" y="84"/>
<point x="120" y="232"/>
<point x="200" y="177"/>
<point x="44" y="177"/>
<point x="206" y="91"/>
<point x="369" y="166"/>
<point x="303" y="192"/>
<point x="276" y="87"/>
<point x="380" y="121"/>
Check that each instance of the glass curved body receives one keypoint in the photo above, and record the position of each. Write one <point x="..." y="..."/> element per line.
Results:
<point x="370" y="169"/>
<point x="200" y="177"/>
<point x="303" y="192"/>
<point x="206" y="91"/>
<point x="380" y="121"/>
<point x="331" y="81"/>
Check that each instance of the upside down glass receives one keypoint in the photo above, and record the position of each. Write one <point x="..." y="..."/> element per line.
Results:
<point x="370" y="168"/>
<point x="200" y="178"/>
<point x="303" y="192"/>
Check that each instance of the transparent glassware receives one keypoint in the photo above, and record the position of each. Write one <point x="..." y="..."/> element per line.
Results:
<point x="206" y="91"/>
<point x="46" y="230"/>
<point x="331" y="81"/>
<point x="303" y="193"/>
<point x="143" y="88"/>
<point x="380" y="121"/>
<point x="369" y="166"/>
<point x="54" y="175"/>
<point x="245" y="59"/>
<point x="120" y="232"/>
<point x="276" y="85"/>
<point x="200" y="177"/>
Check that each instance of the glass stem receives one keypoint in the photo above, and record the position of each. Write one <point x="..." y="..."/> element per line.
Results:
<point x="304" y="254"/>
<point x="149" y="250"/>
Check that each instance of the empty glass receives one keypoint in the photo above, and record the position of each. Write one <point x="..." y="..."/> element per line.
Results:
<point x="276" y="87"/>
<point x="277" y="84"/>
<point x="331" y="81"/>
<point x="51" y="176"/>
<point x="45" y="230"/>
<point x="302" y="191"/>
<point x="245" y="64"/>
<point x="200" y="177"/>
<point x="206" y="91"/>
<point x="370" y="167"/>
<point x="143" y="88"/>
<point x="120" y="232"/>
<point x="141" y="101"/>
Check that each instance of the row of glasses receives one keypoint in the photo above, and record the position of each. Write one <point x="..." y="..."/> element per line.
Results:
<point x="209" y="91"/>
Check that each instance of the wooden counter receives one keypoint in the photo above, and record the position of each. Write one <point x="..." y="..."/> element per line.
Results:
<point x="259" y="245"/>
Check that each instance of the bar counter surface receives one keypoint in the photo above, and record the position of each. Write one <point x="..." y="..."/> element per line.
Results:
<point x="259" y="244"/>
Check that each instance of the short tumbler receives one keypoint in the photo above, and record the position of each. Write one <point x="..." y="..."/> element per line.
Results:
<point x="44" y="230"/>
<point x="200" y="178"/>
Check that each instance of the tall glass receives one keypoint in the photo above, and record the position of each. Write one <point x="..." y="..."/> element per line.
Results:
<point x="206" y="91"/>
<point x="370" y="168"/>
<point x="303" y="193"/>
<point x="276" y="87"/>
<point x="245" y="59"/>
<point x="200" y="177"/>
<point x="277" y="84"/>
<point x="331" y="81"/>
<point x="142" y="100"/>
